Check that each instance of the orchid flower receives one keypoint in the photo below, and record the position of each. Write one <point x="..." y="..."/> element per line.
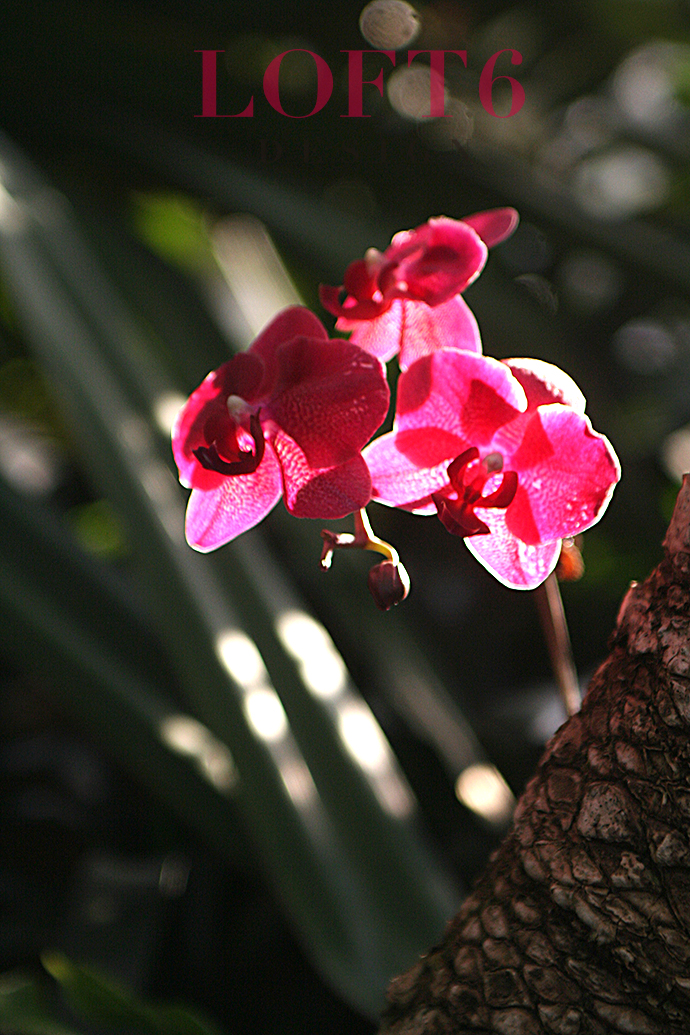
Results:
<point x="288" y="418"/>
<point x="502" y="452"/>
<point x="408" y="299"/>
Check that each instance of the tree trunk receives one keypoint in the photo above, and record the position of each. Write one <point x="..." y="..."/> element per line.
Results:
<point x="581" y="923"/>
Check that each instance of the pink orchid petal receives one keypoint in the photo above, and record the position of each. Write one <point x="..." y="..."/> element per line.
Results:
<point x="187" y="431"/>
<point x="514" y="563"/>
<point x="295" y="321"/>
<point x="567" y="473"/>
<point x="414" y="329"/>
<point x="239" y="376"/>
<point x="425" y="330"/>
<point x="545" y="383"/>
<point x="407" y="467"/>
<point x="467" y="395"/>
<point x="494" y="225"/>
<point x="236" y="504"/>
<point x="428" y="266"/>
<point x="379" y="336"/>
<point x="433" y="262"/>
<point x="329" y="493"/>
<point x="331" y="396"/>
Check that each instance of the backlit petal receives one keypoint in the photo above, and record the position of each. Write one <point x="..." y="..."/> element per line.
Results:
<point x="381" y="335"/>
<point x="513" y="562"/>
<point x="433" y="262"/>
<point x="414" y="329"/>
<point x="332" y="492"/>
<point x="567" y="473"/>
<point x="236" y="504"/>
<point x="293" y="322"/>
<point x="207" y="405"/>
<point x="467" y="395"/>
<point x="331" y="397"/>
<point x="407" y="467"/>
<point x="494" y="225"/>
<point x="545" y="383"/>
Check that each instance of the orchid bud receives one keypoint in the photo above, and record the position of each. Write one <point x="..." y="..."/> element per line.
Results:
<point x="570" y="566"/>
<point x="389" y="583"/>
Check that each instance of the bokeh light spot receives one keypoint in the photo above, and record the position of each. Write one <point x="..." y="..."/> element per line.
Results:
<point x="389" y="24"/>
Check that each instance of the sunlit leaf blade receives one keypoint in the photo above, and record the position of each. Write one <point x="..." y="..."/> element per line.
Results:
<point x="26" y="1008"/>
<point x="100" y="1001"/>
<point x="350" y="867"/>
<point x="106" y="673"/>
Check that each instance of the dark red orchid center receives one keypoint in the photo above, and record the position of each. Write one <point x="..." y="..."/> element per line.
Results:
<point x="468" y="475"/>
<point x="223" y="454"/>
<point x="360" y="280"/>
<point x="417" y="263"/>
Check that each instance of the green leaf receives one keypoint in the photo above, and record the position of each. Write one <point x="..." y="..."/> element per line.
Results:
<point x="101" y="1001"/>
<point x="175" y="228"/>
<point x="25" y="1007"/>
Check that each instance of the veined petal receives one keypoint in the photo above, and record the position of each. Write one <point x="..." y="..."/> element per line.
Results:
<point x="234" y="505"/>
<point x="332" y="492"/>
<point x="331" y="397"/>
<point x="295" y="321"/>
<point x="567" y="473"/>
<point x="464" y="394"/>
<point x="414" y="329"/>
<point x="433" y="262"/>
<point x="407" y="467"/>
<point x="187" y="431"/>
<point x="425" y="329"/>
<point x="513" y="562"/>
<point x="381" y="335"/>
<point x="545" y="383"/>
<point x="494" y="225"/>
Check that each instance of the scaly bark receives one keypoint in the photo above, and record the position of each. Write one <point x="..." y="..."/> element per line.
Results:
<point x="581" y="923"/>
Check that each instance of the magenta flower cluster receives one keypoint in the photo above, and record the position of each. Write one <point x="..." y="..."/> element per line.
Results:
<point x="502" y="452"/>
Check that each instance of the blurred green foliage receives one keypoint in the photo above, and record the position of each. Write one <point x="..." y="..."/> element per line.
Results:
<point x="28" y="1008"/>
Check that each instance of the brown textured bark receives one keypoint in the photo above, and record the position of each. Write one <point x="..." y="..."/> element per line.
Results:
<point x="581" y="923"/>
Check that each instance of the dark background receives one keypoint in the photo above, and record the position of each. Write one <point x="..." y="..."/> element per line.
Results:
<point x="105" y="99"/>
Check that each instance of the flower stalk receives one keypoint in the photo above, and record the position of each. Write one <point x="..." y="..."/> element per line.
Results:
<point x="388" y="581"/>
<point x="555" y="628"/>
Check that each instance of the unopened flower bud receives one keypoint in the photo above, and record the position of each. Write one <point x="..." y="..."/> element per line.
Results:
<point x="571" y="566"/>
<point x="389" y="583"/>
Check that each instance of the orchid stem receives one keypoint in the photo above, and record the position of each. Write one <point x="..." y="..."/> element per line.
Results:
<point x="363" y="539"/>
<point x="555" y="626"/>
<point x="364" y="535"/>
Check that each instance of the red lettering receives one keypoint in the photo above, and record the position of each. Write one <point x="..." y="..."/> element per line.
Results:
<point x="355" y="80"/>
<point x="487" y="80"/>
<point x="324" y="79"/>
<point x="437" y="59"/>
<point x="356" y="83"/>
<point x="208" y="89"/>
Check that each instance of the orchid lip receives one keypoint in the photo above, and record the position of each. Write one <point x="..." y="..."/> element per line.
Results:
<point x="458" y="515"/>
<point x="247" y="463"/>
